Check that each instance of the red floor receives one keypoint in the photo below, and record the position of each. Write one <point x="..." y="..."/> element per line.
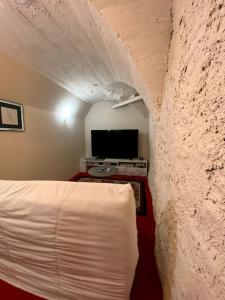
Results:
<point x="146" y="284"/>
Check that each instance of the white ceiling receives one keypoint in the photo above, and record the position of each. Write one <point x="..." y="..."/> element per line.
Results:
<point x="64" y="40"/>
<point x="60" y="39"/>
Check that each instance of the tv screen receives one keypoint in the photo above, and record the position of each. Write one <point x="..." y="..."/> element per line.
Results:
<point x="121" y="143"/>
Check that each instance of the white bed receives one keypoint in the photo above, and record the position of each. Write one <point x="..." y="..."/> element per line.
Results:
<point x="68" y="240"/>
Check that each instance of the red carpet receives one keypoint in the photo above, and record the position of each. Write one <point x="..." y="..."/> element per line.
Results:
<point x="146" y="284"/>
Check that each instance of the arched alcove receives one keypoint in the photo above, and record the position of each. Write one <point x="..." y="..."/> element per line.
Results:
<point x="102" y="115"/>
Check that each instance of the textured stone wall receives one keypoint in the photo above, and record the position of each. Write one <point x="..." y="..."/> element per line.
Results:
<point x="136" y="35"/>
<point x="188" y="156"/>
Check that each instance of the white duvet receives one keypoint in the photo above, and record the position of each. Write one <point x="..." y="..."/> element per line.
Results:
<point x="68" y="240"/>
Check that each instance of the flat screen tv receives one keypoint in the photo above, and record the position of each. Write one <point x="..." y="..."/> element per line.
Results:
<point x="121" y="143"/>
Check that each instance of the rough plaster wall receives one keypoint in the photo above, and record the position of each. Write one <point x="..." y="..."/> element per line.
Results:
<point x="137" y="36"/>
<point x="187" y="162"/>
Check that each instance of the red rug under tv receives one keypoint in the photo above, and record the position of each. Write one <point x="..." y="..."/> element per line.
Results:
<point x="146" y="285"/>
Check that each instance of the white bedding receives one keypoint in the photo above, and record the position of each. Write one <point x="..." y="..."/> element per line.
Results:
<point x="68" y="240"/>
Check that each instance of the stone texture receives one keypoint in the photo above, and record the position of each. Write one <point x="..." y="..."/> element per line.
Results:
<point x="137" y="34"/>
<point x="188" y="153"/>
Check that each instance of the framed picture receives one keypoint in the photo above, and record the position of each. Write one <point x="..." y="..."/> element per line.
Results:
<point x="11" y="116"/>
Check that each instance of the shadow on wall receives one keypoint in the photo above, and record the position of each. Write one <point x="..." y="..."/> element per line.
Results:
<point x="166" y="240"/>
<point x="143" y="144"/>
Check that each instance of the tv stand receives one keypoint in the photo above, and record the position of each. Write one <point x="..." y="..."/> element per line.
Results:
<point x="135" y="167"/>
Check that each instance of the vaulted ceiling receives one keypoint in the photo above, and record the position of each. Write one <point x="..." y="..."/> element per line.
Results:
<point x="63" y="40"/>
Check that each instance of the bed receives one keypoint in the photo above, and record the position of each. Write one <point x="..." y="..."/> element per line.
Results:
<point x="68" y="240"/>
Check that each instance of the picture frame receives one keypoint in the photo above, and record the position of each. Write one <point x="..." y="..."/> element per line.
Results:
<point x="11" y="116"/>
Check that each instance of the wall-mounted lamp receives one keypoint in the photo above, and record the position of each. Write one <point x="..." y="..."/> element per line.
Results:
<point x="65" y="114"/>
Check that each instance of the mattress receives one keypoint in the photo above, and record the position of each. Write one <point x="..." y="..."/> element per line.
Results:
<point x="68" y="240"/>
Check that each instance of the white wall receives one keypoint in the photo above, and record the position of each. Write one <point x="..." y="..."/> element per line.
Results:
<point x="102" y="116"/>
<point x="49" y="148"/>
